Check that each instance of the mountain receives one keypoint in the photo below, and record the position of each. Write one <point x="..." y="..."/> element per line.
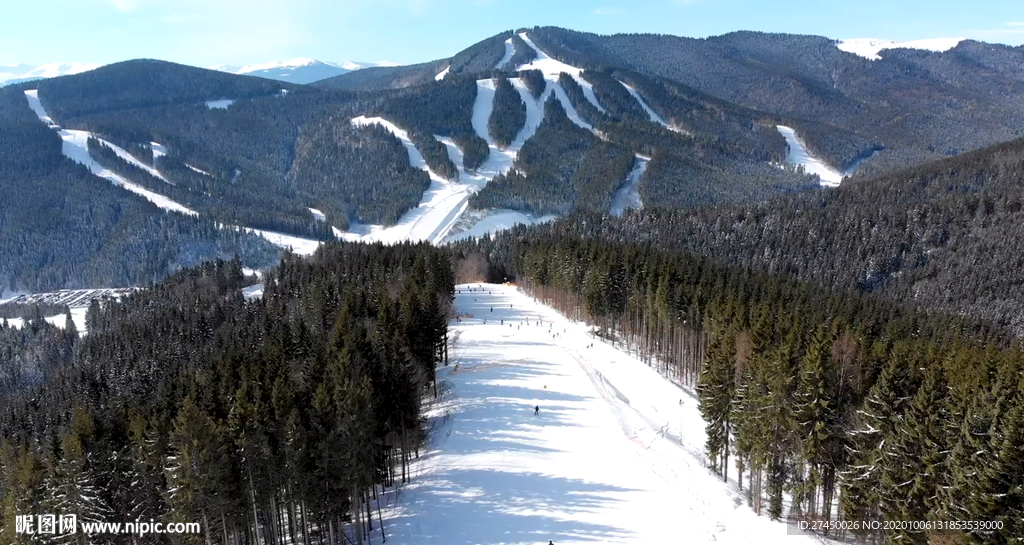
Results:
<point x="299" y="70"/>
<point x="530" y="124"/>
<point x="17" y="73"/>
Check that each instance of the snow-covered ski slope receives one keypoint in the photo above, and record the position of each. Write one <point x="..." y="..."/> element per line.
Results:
<point x="614" y="456"/>
<point x="510" y="49"/>
<point x="655" y="118"/>
<point x="628" y="196"/>
<point x="799" y="155"/>
<point x="552" y="68"/>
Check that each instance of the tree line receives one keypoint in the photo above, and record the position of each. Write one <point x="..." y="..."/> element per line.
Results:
<point x="271" y="421"/>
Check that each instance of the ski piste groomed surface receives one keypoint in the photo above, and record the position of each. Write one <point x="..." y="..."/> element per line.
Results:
<point x="615" y="454"/>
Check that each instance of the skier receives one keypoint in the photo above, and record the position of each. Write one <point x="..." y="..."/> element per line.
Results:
<point x="536" y="410"/>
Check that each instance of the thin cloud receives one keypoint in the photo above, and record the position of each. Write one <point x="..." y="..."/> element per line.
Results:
<point x="124" y="6"/>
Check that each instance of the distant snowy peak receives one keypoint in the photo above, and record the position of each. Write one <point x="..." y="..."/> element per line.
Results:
<point x="15" y="73"/>
<point x="300" y="70"/>
<point x="869" y="48"/>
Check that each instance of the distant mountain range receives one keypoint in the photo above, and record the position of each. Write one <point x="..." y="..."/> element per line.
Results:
<point x="299" y="70"/>
<point x="18" y="72"/>
<point x="293" y="71"/>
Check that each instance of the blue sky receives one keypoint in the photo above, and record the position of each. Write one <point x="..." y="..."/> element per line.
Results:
<point x="209" y="32"/>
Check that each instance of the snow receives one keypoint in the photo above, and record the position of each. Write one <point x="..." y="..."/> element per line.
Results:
<point x="221" y="104"/>
<point x="628" y="195"/>
<point x="510" y="49"/>
<point x="492" y="221"/>
<point x="442" y="203"/>
<point x="294" y="63"/>
<point x="614" y="455"/>
<point x="252" y="292"/>
<point x="159" y="150"/>
<point x="869" y="48"/>
<point x="318" y="215"/>
<point x="798" y="154"/>
<point x="298" y="245"/>
<point x="440" y="76"/>
<point x="75" y="147"/>
<point x="551" y="69"/>
<point x="59" y="320"/>
<point x="200" y="171"/>
<point x="650" y="113"/>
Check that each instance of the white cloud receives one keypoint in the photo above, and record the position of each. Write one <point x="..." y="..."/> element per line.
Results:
<point x="1015" y="23"/>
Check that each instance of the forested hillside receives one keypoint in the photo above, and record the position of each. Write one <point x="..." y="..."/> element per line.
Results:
<point x="943" y="236"/>
<point x="919" y="105"/>
<point x="62" y="227"/>
<point x="835" y="400"/>
<point x="186" y="402"/>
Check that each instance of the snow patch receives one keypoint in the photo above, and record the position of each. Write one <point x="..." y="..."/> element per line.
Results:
<point x="222" y="104"/>
<point x="318" y="215"/>
<point x="200" y="171"/>
<point x="628" y="195"/>
<point x="440" y="76"/>
<point x="870" y="48"/>
<point x="252" y="292"/>
<point x="298" y="245"/>
<point x="491" y="221"/>
<point x="798" y="154"/>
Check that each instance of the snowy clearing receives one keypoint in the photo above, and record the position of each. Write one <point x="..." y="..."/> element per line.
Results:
<point x="628" y="195"/>
<point x="59" y="320"/>
<point x="77" y="301"/>
<point x="75" y="147"/>
<point x="440" y="75"/>
<point x="614" y="455"/>
<point x="222" y="104"/>
<point x="869" y="47"/>
<point x="799" y="155"/>
<point x="491" y="221"/>
<point x="252" y="292"/>
<point x="159" y="150"/>
<point x="298" y="245"/>
<point x="318" y="215"/>
<point x="510" y="49"/>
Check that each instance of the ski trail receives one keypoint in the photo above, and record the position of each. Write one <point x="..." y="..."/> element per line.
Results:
<point x="75" y="146"/>
<point x="440" y="75"/>
<point x="628" y="195"/>
<point x="552" y="68"/>
<point x="798" y="154"/>
<point x="651" y="113"/>
<point x="510" y="49"/>
<point x="615" y="454"/>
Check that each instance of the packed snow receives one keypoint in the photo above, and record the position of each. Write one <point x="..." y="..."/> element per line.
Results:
<point x="78" y="302"/>
<point x="76" y="147"/>
<point x="552" y="68"/>
<point x="614" y="454"/>
<point x="440" y="75"/>
<point x="799" y="155"/>
<point x="59" y="320"/>
<point x="318" y="215"/>
<point x="869" y="48"/>
<point x="628" y="196"/>
<point x="510" y="49"/>
<point x="222" y="104"/>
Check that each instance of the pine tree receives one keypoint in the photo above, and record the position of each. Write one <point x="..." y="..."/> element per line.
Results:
<point x="715" y="391"/>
